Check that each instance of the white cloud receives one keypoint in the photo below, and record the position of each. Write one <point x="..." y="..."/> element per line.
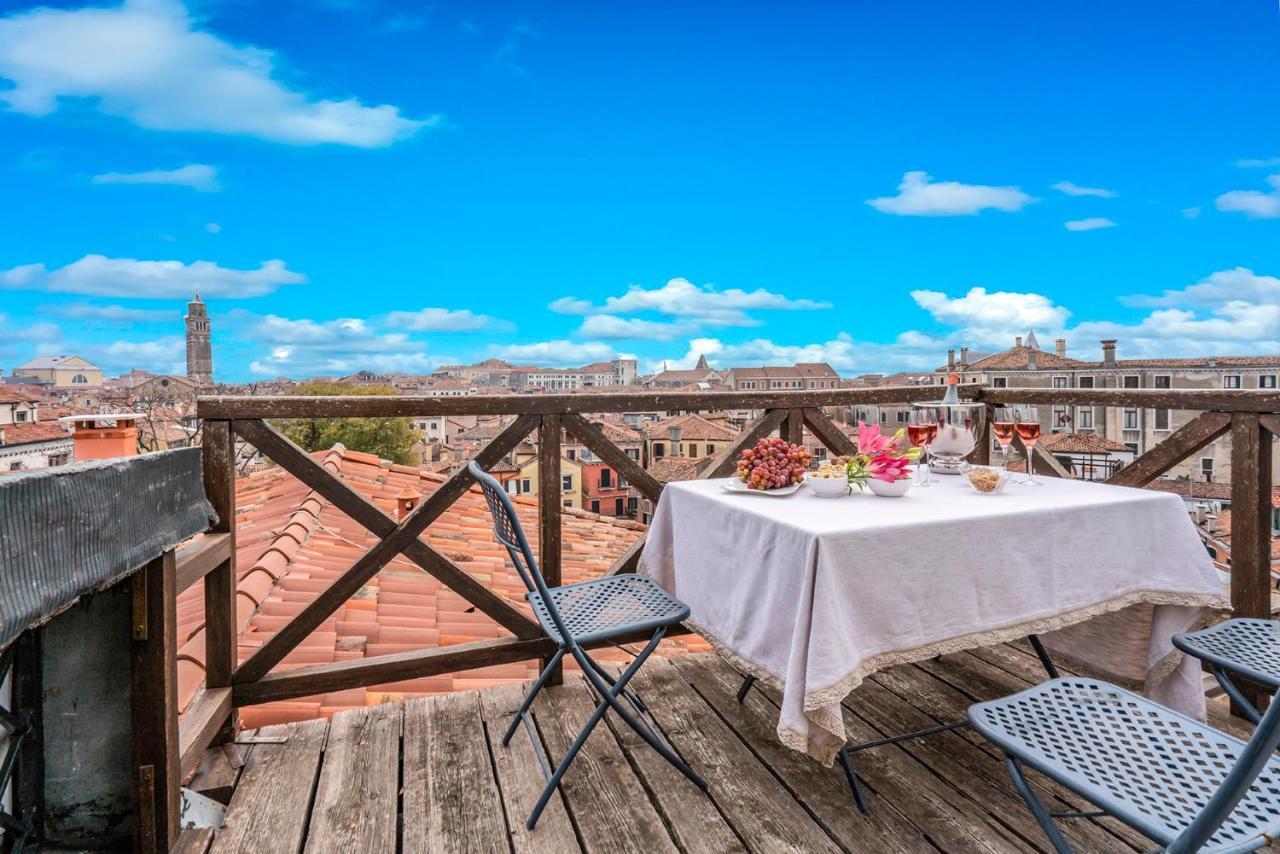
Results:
<point x="441" y="320"/>
<point x="919" y="195"/>
<point x="116" y="315"/>
<point x="691" y="306"/>
<point x="97" y="275"/>
<point x="558" y="354"/>
<point x="197" y="176"/>
<point x="304" y="347"/>
<point x="148" y="61"/>
<point x="213" y="228"/>
<point x="993" y="318"/>
<point x="1092" y="223"/>
<point x="1191" y="212"/>
<point x="1220" y="288"/>
<point x="1254" y="204"/>
<point x="1076" y="190"/>
<point x="1258" y="163"/>
<point x="162" y="355"/>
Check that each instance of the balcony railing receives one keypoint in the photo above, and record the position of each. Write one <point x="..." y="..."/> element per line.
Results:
<point x="1251" y="418"/>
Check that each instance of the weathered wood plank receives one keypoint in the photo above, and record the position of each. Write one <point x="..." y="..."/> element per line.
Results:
<point x="550" y="495"/>
<point x="1180" y="444"/>
<point x="193" y="840"/>
<point x="727" y="460"/>
<point x="392" y="667"/>
<point x="218" y="452"/>
<point x="793" y="427"/>
<point x="269" y="811"/>
<point x="203" y="718"/>
<point x="451" y="800"/>
<point x="357" y="798"/>
<point x="1250" y="527"/>
<point x="613" y="455"/>
<point x="610" y="807"/>
<point x="823" y="791"/>
<point x="1222" y="400"/>
<point x="520" y="779"/>
<point x="199" y="558"/>
<point x="372" y="561"/>
<point x="372" y="406"/>
<point x="154" y="679"/>
<point x="761" y="810"/>
<point x="828" y="432"/>
<point x="303" y="466"/>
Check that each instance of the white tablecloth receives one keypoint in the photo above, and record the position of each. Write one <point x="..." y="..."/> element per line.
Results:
<point x="813" y="594"/>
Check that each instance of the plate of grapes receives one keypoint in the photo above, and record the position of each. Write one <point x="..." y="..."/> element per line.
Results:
<point x="772" y="467"/>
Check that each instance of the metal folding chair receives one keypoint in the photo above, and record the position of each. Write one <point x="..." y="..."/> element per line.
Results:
<point x="605" y="609"/>
<point x="1249" y="648"/>
<point x="1186" y="785"/>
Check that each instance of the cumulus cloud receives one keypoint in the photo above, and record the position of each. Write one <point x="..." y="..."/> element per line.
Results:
<point x="1254" y="204"/>
<point x="198" y="176"/>
<point x="920" y="195"/>
<point x="98" y="275"/>
<point x="1258" y="163"/>
<point x="441" y="320"/>
<point x="1224" y="286"/>
<point x="992" y="317"/>
<point x="1076" y="190"/>
<point x="1191" y="212"/>
<point x="691" y="307"/>
<point x="559" y="353"/>
<point x="304" y="347"/>
<point x="114" y="315"/>
<point x="150" y="63"/>
<point x="162" y="355"/>
<point x="1092" y="223"/>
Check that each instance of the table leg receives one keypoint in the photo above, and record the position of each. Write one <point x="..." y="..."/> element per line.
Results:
<point x="1043" y="655"/>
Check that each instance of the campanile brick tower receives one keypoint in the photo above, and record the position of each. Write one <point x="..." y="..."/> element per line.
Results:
<point x="199" y="346"/>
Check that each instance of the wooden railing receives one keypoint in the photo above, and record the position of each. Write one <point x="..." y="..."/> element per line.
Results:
<point x="1250" y="417"/>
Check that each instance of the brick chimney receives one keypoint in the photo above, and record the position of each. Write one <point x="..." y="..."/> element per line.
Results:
<point x="1060" y="347"/>
<point x="951" y="359"/>
<point x="1108" y="352"/>
<point x="1031" y="360"/>
<point x="104" y="437"/>
<point x="964" y="358"/>
<point x="675" y="432"/>
<point x="406" y="501"/>
<point x="1017" y="341"/>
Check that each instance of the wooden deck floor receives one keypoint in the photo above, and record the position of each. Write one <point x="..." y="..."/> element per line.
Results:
<point x="430" y="775"/>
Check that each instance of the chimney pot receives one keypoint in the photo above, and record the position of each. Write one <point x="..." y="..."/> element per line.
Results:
<point x="951" y="358"/>
<point x="406" y="501"/>
<point x="1060" y="347"/>
<point x="964" y="358"/>
<point x="675" y="432"/>
<point x="1017" y="341"/>
<point x="1109" y="352"/>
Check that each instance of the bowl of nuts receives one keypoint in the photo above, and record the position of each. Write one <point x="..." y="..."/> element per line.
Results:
<point x="985" y="480"/>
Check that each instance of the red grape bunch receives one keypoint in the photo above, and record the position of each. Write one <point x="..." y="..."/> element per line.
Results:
<point x="772" y="464"/>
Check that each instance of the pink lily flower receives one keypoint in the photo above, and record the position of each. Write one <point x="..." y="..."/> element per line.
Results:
<point x="871" y="441"/>
<point x="889" y="468"/>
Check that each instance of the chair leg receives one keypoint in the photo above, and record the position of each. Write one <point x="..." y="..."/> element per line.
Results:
<point x="1037" y="809"/>
<point x="1237" y="697"/>
<point x="746" y="686"/>
<point x="628" y="693"/>
<point x="1043" y="655"/>
<point x="846" y="762"/>
<point x="533" y="692"/>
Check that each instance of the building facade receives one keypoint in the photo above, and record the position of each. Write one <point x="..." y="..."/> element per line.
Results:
<point x="797" y="377"/>
<point x="60" y="372"/>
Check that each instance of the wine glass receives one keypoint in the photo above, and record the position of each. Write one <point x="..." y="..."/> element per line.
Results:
<point x="922" y="429"/>
<point x="1003" y="423"/>
<point x="1028" y="428"/>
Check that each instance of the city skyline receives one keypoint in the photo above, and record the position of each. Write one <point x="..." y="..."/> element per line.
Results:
<point x="394" y="188"/>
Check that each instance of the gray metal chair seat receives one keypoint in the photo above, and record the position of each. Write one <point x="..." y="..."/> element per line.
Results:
<point x="608" y="608"/>
<point x="1248" y="647"/>
<point x="1153" y="768"/>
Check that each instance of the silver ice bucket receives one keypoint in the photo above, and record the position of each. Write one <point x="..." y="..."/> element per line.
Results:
<point x="960" y="430"/>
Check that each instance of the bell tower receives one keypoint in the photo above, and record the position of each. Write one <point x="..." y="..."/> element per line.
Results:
<point x="199" y="346"/>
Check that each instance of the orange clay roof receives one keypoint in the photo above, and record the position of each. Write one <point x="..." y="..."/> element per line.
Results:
<point x="292" y="544"/>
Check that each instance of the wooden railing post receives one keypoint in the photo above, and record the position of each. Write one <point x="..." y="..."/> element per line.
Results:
<point x="154" y="666"/>
<point x="1250" y="524"/>
<point x="220" y="584"/>
<point x="549" y="498"/>
<point x="793" y="428"/>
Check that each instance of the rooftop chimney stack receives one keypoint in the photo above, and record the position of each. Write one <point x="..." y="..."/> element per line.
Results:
<point x="675" y="432"/>
<point x="964" y="358"/>
<point x="1031" y="361"/>
<point x="951" y="359"/>
<point x="1060" y="347"/>
<point x="104" y="437"/>
<point x="1017" y="341"/>
<point x="406" y="501"/>
<point x="1108" y="352"/>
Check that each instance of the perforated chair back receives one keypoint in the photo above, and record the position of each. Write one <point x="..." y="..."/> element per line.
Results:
<point x="508" y="531"/>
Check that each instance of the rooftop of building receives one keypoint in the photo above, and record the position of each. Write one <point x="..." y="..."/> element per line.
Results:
<point x="31" y="433"/>
<point x="692" y="427"/>
<point x="1082" y="443"/>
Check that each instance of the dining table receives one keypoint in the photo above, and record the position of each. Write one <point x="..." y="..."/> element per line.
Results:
<point x="811" y="595"/>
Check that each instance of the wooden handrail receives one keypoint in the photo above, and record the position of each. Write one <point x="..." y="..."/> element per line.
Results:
<point x="1250" y="416"/>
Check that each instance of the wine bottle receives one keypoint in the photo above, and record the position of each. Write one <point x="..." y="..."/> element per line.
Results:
<point x="952" y="395"/>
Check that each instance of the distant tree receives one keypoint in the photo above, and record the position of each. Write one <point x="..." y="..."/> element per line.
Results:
<point x="389" y="438"/>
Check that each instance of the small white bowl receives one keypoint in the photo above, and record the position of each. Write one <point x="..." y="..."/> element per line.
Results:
<point x="897" y="489"/>
<point x="828" y="487"/>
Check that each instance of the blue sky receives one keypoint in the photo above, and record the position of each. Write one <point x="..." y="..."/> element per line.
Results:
<point x="362" y="183"/>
